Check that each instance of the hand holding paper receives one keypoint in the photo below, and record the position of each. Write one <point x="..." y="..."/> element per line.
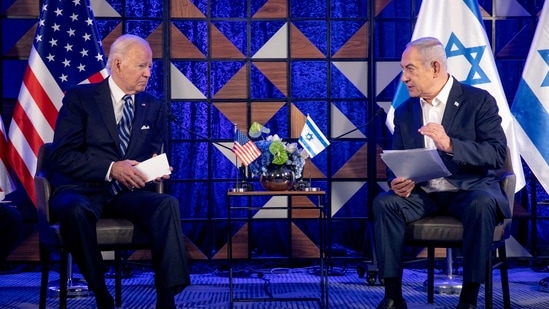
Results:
<point x="154" y="167"/>
<point x="419" y="164"/>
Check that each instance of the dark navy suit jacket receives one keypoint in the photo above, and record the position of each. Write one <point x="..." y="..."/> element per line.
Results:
<point x="472" y="121"/>
<point x="86" y="135"/>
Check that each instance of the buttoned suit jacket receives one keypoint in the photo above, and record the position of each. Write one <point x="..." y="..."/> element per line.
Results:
<point x="472" y="122"/>
<point x="86" y="140"/>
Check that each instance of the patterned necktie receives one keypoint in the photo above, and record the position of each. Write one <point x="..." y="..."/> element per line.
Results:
<point x="124" y="133"/>
<point x="125" y="124"/>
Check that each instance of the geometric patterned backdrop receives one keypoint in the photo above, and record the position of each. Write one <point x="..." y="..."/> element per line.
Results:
<point x="224" y="62"/>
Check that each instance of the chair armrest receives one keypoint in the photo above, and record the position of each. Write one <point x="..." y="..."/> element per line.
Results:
<point x="508" y="182"/>
<point x="43" y="190"/>
<point x="159" y="187"/>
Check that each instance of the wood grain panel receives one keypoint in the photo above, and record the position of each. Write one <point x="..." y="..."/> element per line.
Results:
<point x="273" y="9"/>
<point x="236" y="87"/>
<point x="185" y="8"/>
<point x="181" y="47"/>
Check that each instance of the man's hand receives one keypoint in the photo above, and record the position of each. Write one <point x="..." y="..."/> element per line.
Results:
<point x="437" y="133"/>
<point x="402" y="187"/>
<point x="127" y="174"/>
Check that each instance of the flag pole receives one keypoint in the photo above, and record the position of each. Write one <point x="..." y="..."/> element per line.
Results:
<point x="240" y="186"/>
<point x="308" y="185"/>
<point x="236" y="187"/>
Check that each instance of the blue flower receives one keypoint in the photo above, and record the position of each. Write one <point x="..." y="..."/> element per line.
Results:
<point x="275" y="151"/>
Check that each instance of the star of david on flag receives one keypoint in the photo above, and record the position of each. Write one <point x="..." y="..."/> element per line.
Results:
<point x="244" y="148"/>
<point x="66" y="51"/>
<point x="531" y="104"/>
<point x="458" y="25"/>
<point x="312" y="139"/>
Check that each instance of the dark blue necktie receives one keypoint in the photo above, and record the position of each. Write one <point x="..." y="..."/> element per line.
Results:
<point x="125" y="124"/>
<point x="124" y="133"/>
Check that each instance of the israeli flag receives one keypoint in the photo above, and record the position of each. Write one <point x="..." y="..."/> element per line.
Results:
<point x="312" y="139"/>
<point x="531" y="104"/>
<point x="458" y="25"/>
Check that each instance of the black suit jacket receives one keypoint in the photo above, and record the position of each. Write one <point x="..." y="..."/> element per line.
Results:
<point x="86" y="136"/>
<point x="472" y="122"/>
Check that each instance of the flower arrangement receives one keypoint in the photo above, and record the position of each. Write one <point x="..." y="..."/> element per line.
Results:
<point x="275" y="151"/>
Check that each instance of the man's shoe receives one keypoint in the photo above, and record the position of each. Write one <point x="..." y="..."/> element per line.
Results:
<point x="104" y="300"/>
<point x="466" y="306"/>
<point x="106" y="306"/>
<point x="388" y="303"/>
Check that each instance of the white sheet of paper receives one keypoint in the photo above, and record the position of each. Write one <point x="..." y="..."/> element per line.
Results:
<point x="419" y="164"/>
<point x="155" y="167"/>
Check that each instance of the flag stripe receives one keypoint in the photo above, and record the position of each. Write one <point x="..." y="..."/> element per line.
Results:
<point x="23" y="166"/>
<point x="307" y="147"/>
<point x="46" y="106"/>
<point x="65" y="52"/>
<point x="532" y="116"/>
<point x="6" y="183"/>
<point x="28" y="130"/>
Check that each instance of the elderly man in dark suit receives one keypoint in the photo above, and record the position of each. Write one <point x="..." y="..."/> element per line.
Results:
<point x="463" y="124"/>
<point x="103" y="130"/>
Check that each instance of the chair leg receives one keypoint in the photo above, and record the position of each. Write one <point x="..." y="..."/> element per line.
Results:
<point x="45" y="256"/>
<point x="63" y="277"/>
<point x="488" y="285"/>
<point x="431" y="275"/>
<point x="504" y="277"/>
<point x="118" y="278"/>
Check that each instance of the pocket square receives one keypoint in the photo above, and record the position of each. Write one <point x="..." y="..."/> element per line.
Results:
<point x="145" y="127"/>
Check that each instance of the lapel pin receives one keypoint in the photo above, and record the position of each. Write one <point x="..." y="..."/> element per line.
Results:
<point x="456" y="104"/>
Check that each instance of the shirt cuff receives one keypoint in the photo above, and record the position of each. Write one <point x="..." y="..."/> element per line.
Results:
<point x="108" y="176"/>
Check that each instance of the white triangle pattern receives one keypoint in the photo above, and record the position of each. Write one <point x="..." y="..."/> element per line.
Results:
<point x="101" y="8"/>
<point x="275" y="201"/>
<point x="341" y="124"/>
<point x="276" y="47"/>
<point x="356" y="72"/>
<point x="341" y="193"/>
<point x="182" y="87"/>
<point x="506" y="8"/>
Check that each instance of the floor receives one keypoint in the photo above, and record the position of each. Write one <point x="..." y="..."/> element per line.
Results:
<point x="210" y="289"/>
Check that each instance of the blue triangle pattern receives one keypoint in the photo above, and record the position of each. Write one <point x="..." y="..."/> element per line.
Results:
<point x="344" y="89"/>
<point x="261" y="86"/>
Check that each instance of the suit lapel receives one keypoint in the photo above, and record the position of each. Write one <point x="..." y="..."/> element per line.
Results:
<point x="104" y="103"/>
<point x="419" y="141"/>
<point x="141" y="109"/>
<point x="452" y="105"/>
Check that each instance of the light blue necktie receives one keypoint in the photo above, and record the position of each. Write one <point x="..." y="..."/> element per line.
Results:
<point x="124" y="133"/>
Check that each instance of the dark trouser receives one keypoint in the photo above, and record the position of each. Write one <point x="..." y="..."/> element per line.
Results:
<point x="157" y="214"/>
<point x="476" y="209"/>
<point x="10" y="229"/>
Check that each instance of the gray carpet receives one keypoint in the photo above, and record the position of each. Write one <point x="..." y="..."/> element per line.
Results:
<point x="209" y="289"/>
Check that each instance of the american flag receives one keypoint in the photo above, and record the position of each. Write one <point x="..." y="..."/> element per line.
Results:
<point x="6" y="183"/>
<point x="244" y="148"/>
<point x="66" y="51"/>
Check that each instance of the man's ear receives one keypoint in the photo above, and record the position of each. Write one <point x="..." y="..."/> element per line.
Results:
<point x="436" y="67"/>
<point x="117" y="64"/>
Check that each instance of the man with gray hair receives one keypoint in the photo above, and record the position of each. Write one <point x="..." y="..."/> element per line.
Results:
<point x="462" y="123"/>
<point x="102" y="132"/>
